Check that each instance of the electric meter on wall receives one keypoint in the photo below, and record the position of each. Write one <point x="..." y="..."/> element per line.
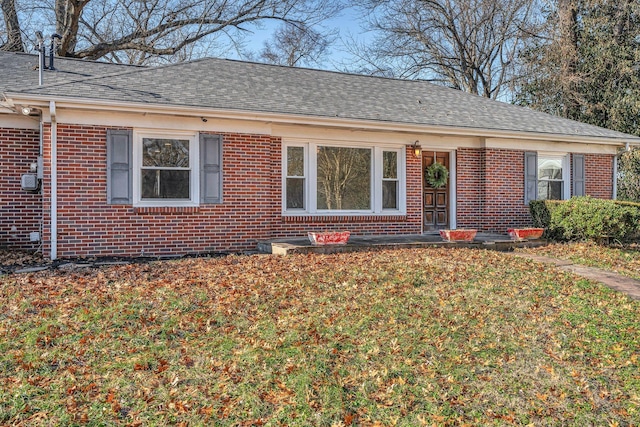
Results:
<point x="29" y="182"/>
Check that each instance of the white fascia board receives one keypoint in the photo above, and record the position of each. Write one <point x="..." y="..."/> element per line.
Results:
<point x="293" y="132"/>
<point x="94" y="104"/>
<point x="551" y="146"/>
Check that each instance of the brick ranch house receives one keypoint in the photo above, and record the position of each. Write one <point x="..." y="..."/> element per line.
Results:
<point x="215" y="155"/>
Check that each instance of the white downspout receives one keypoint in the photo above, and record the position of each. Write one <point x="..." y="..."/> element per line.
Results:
<point x="54" y="181"/>
<point x="41" y="177"/>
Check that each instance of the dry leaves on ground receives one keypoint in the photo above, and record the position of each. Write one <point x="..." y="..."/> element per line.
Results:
<point x="407" y="337"/>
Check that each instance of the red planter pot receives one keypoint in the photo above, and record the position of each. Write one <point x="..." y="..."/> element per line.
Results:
<point x="525" y="233"/>
<point x="329" y="238"/>
<point x="461" y="235"/>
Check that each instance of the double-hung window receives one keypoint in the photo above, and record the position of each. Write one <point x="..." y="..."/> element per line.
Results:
<point x="296" y="178"/>
<point x="390" y="180"/>
<point x="167" y="169"/>
<point x="546" y="176"/>
<point x="158" y="169"/>
<point x="322" y="178"/>
<point x="550" y="177"/>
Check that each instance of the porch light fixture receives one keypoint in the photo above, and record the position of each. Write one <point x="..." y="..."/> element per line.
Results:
<point x="416" y="149"/>
<point x="26" y="110"/>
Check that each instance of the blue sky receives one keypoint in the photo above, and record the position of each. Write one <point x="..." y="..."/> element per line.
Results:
<point x="347" y="23"/>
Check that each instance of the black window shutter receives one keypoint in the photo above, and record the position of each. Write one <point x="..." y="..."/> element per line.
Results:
<point x="119" y="167"/>
<point x="210" y="168"/>
<point x="530" y="177"/>
<point x="578" y="175"/>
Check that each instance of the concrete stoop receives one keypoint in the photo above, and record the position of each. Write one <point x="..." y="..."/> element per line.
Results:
<point x="302" y="245"/>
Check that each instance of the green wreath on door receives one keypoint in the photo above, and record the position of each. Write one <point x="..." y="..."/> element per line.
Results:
<point x="436" y="175"/>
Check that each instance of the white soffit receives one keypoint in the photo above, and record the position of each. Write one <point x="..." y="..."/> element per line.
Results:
<point x="497" y="137"/>
<point x="551" y="146"/>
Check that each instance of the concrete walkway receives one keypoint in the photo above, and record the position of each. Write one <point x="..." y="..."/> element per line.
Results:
<point x="613" y="280"/>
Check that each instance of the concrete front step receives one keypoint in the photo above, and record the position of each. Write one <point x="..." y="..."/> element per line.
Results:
<point x="368" y="243"/>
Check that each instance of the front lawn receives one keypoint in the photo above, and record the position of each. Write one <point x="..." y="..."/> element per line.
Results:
<point x="625" y="261"/>
<point x="408" y="338"/>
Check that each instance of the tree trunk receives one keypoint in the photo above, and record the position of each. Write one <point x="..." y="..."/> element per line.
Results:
<point x="68" y="13"/>
<point x="14" y="37"/>
<point x="568" y="27"/>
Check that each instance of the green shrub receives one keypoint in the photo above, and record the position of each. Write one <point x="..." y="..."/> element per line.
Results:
<point x="627" y="203"/>
<point x="540" y="214"/>
<point x="586" y="218"/>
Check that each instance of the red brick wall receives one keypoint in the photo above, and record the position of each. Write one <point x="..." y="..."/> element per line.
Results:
<point x="20" y="209"/>
<point x="598" y="175"/>
<point x="251" y="208"/>
<point x="504" y="191"/>
<point x="88" y="226"/>
<point x="46" y="190"/>
<point x="490" y="187"/>
<point x="470" y="188"/>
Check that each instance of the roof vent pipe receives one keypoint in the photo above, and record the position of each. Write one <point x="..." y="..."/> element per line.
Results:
<point x="41" y="55"/>
<point x="52" y="49"/>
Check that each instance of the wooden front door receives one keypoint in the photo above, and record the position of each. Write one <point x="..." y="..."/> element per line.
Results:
<point x="435" y="200"/>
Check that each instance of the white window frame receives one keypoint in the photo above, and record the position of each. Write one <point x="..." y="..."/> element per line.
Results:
<point x="566" y="179"/>
<point x="310" y="169"/>
<point x="194" y="166"/>
<point x="305" y="157"/>
<point x="383" y="179"/>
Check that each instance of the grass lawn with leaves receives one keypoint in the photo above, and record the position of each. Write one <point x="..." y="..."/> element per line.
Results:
<point x="407" y="338"/>
<point x="625" y="261"/>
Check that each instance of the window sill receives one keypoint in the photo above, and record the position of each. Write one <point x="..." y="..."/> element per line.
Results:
<point x="343" y="219"/>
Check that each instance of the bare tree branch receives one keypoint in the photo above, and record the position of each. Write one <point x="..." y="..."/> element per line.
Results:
<point x="296" y="45"/>
<point x="141" y="30"/>
<point x="465" y="44"/>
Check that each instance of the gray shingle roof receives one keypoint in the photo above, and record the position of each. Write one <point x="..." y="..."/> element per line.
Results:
<point x="223" y="84"/>
<point x="20" y="70"/>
